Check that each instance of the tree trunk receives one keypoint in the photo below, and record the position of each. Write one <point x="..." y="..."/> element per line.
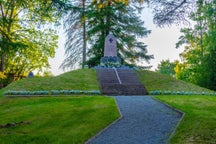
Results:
<point x="84" y="35"/>
<point x="2" y="62"/>
<point x="2" y="67"/>
<point x="108" y="19"/>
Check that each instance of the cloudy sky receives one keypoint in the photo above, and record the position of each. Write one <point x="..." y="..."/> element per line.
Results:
<point x="161" y="43"/>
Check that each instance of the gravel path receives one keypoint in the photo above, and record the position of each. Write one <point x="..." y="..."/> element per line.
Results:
<point x="144" y="121"/>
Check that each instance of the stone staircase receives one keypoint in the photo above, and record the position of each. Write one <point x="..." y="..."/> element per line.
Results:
<point x="120" y="82"/>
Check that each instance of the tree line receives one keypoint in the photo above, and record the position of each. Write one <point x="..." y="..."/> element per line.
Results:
<point x="198" y="60"/>
<point x="27" y="41"/>
<point x="87" y="24"/>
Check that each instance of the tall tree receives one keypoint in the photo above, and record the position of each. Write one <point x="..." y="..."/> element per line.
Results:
<point x="100" y="15"/>
<point x="199" y="55"/>
<point x="120" y="19"/>
<point x="75" y="28"/>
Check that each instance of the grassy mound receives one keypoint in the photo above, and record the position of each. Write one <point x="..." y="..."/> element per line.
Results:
<point x="86" y="79"/>
<point x="156" y="81"/>
<point x="82" y="79"/>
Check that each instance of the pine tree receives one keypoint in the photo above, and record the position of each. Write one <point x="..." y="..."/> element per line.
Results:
<point x="75" y="28"/>
<point x="88" y="23"/>
<point x="121" y="20"/>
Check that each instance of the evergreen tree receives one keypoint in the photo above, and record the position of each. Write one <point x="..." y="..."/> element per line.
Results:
<point x="99" y="18"/>
<point x="75" y="28"/>
<point x="121" y="20"/>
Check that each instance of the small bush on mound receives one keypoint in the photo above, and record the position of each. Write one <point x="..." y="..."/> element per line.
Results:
<point x="159" y="92"/>
<point x="51" y="92"/>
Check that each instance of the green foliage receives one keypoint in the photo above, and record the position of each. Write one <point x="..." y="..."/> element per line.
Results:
<point x="122" y="21"/>
<point x="26" y="41"/>
<point x="166" y="67"/>
<point x="40" y="46"/>
<point x="55" y="119"/>
<point x="100" y="18"/>
<point x="109" y="61"/>
<point x="199" y="55"/>
<point x="198" y="125"/>
<point x="73" y="23"/>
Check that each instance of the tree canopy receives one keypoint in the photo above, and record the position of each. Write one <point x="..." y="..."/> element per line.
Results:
<point x="166" y="67"/>
<point x="101" y="18"/>
<point x="26" y="42"/>
<point x="199" y="60"/>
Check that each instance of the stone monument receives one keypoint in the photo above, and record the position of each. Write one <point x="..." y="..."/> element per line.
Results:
<point x="110" y="58"/>
<point x="110" y="48"/>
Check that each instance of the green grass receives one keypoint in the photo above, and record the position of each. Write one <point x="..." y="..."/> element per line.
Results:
<point x="86" y="79"/>
<point x="75" y="119"/>
<point x="199" y="123"/>
<point x="82" y="79"/>
<point x="156" y="81"/>
<point x="55" y="120"/>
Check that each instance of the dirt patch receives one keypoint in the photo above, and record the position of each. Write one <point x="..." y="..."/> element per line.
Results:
<point x="14" y="124"/>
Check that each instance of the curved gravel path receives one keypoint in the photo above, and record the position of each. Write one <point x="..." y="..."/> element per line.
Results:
<point x="144" y="121"/>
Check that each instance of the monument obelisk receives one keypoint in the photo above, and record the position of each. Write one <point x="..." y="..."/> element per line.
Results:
<point x="110" y="48"/>
<point x="110" y="58"/>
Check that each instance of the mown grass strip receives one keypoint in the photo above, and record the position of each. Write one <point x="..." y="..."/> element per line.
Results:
<point x="199" y="123"/>
<point x="54" y="119"/>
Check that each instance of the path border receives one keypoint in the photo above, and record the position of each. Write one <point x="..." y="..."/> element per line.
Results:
<point x="107" y="127"/>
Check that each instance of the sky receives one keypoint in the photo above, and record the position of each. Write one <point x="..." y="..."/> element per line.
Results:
<point x="161" y="43"/>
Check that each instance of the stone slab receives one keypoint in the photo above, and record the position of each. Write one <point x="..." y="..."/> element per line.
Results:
<point x="110" y="48"/>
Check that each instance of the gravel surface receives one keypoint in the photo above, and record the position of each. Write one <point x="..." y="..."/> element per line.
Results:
<point x="144" y="121"/>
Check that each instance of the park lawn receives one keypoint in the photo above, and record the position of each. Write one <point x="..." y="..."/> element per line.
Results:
<point x="198" y="125"/>
<point x="64" y="119"/>
<point x="56" y="120"/>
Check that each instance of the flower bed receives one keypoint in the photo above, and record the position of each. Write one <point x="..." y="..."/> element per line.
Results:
<point x="110" y="61"/>
<point x="159" y="92"/>
<point x="51" y="93"/>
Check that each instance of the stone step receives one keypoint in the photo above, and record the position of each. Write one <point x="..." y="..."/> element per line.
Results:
<point x="126" y="83"/>
<point x="123" y="89"/>
<point x="107" y="76"/>
<point x="128" y="76"/>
